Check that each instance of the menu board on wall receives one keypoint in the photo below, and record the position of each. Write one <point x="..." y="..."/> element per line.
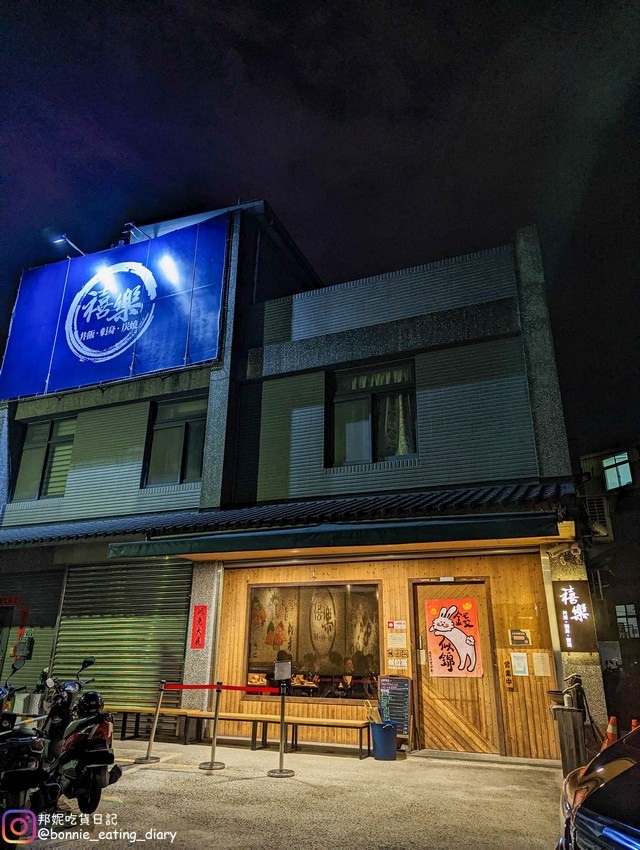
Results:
<point x="394" y="701"/>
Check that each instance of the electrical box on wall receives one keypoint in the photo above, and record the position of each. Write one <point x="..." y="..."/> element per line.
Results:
<point x="24" y="648"/>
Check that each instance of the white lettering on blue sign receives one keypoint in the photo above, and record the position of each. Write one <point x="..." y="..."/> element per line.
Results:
<point x="111" y="311"/>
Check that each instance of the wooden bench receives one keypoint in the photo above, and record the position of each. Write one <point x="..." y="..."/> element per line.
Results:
<point x="188" y="714"/>
<point x="327" y="723"/>
<point x="264" y="720"/>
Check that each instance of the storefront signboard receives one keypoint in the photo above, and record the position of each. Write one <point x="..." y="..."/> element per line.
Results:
<point x="574" y="615"/>
<point x="133" y="310"/>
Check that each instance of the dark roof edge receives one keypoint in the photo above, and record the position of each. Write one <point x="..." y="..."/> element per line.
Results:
<point x="490" y="527"/>
<point x="369" y="507"/>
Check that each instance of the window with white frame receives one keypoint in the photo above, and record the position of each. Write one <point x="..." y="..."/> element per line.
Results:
<point x="176" y="442"/>
<point x="627" y="620"/>
<point x="617" y="470"/>
<point x="373" y="414"/>
<point x="45" y="460"/>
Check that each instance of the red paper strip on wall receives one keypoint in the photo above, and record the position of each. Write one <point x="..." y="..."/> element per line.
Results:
<point x="199" y="626"/>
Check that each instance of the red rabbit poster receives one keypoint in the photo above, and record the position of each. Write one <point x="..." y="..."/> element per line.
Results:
<point x="453" y="638"/>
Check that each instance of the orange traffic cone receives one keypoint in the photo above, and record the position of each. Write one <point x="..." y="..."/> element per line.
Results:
<point x="611" y="735"/>
<point x="634" y="724"/>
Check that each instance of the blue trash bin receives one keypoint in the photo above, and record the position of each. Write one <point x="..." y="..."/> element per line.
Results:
<point x="385" y="737"/>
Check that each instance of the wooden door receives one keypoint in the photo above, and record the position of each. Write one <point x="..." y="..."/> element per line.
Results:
<point x="457" y="694"/>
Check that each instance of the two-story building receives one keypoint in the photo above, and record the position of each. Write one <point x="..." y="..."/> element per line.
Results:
<point x="212" y="461"/>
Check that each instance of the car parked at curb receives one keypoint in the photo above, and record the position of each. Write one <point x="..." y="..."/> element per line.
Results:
<point x="600" y="807"/>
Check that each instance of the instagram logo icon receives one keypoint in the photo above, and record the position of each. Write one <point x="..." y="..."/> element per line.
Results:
<point x="19" y="826"/>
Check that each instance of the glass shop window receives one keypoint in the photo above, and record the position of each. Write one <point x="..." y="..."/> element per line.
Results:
<point x="330" y="633"/>
<point x="45" y="461"/>
<point x="176" y="443"/>
<point x="374" y="414"/>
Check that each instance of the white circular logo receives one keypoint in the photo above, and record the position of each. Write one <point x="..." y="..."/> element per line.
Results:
<point x="111" y="311"/>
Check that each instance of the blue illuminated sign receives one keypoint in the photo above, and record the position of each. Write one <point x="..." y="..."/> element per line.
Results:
<point x="122" y="313"/>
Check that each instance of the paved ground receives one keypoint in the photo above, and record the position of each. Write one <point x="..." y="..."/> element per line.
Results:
<point x="333" y="801"/>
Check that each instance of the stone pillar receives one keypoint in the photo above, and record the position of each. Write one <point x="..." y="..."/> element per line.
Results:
<point x="562" y="565"/>
<point x="542" y="377"/>
<point x="200" y="664"/>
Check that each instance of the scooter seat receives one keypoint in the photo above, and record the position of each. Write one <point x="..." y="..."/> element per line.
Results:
<point x="20" y="732"/>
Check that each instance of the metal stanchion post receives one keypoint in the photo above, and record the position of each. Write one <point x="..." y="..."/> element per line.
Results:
<point x="281" y="770"/>
<point x="149" y="757"/>
<point x="213" y="764"/>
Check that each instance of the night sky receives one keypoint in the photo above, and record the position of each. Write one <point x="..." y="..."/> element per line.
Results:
<point x="383" y="134"/>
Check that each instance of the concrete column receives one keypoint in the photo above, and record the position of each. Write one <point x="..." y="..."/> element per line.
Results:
<point x="200" y="664"/>
<point x="542" y="377"/>
<point x="565" y="567"/>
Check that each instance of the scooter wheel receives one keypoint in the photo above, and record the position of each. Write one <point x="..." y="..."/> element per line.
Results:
<point x="89" y="801"/>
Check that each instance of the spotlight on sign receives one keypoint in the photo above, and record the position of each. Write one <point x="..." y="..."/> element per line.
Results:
<point x="64" y="239"/>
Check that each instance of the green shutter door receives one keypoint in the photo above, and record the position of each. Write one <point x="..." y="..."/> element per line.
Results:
<point x="133" y="619"/>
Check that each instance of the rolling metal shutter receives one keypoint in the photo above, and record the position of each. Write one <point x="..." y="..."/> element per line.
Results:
<point x="40" y="592"/>
<point x="133" y="618"/>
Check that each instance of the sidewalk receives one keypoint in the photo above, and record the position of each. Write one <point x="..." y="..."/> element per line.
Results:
<point x="334" y="800"/>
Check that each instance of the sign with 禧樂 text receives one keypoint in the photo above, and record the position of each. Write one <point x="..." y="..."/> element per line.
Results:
<point x="574" y="614"/>
<point x="113" y="315"/>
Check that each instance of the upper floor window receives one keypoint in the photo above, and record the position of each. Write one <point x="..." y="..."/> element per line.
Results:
<point x="617" y="471"/>
<point x="177" y="442"/>
<point x="627" y="621"/>
<point x="374" y="414"/>
<point x="46" y="456"/>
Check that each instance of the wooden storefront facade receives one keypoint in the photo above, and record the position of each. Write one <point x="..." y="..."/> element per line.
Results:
<point x="492" y="713"/>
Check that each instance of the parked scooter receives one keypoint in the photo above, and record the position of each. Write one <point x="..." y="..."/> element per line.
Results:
<point x="79" y="741"/>
<point x="21" y="754"/>
<point x="7" y="691"/>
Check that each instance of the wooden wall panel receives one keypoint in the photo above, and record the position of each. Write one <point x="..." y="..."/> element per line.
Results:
<point x="516" y="599"/>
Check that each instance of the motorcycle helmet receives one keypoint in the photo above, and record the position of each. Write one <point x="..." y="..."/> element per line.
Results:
<point x="90" y="703"/>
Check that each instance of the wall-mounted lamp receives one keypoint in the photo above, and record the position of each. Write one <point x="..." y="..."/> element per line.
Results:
<point x="64" y="238"/>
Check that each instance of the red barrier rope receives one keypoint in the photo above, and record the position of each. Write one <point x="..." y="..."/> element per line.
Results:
<point x="250" y="689"/>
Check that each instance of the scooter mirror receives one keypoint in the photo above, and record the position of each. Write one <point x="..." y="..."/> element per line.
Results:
<point x="18" y="664"/>
<point x="88" y="662"/>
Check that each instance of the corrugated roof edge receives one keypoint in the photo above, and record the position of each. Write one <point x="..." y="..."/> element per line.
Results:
<point x="384" y="507"/>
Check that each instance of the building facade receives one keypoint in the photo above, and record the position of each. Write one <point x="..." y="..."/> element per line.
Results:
<point x="370" y="479"/>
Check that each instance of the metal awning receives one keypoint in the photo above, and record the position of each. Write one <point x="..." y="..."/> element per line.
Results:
<point x="501" y="527"/>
